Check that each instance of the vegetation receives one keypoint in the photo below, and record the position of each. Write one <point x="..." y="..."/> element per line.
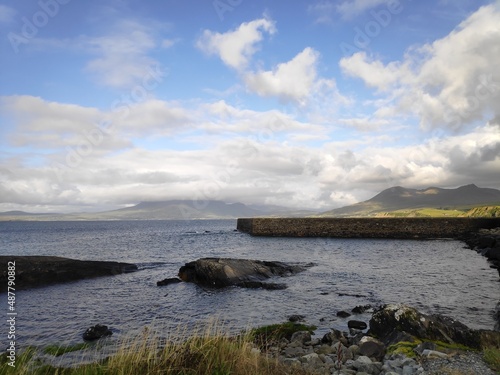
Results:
<point x="208" y="352"/>
<point x="58" y="350"/>
<point x="492" y="357"/>
<point x="264" y="336"/>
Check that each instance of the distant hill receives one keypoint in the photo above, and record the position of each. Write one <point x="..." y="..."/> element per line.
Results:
<point x="399" y="198"/>
<point x="182" y="209"/>
<point x="167" y="210"/>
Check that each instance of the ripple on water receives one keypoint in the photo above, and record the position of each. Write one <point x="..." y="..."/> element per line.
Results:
<point x="439" y="276"/>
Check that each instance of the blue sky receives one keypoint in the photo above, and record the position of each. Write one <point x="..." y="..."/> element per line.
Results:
<point x="313" y="104"/>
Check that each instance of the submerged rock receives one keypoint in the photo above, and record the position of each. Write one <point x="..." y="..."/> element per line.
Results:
<point x="168" y="281"/>
<point x="223" y="272"/>
<point x="96" y="332"/>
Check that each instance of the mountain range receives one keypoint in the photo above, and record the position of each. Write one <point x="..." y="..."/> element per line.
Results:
<point x="168" y="210"/>
<point x="398" y="198"/>
<point x="395" y="201"/>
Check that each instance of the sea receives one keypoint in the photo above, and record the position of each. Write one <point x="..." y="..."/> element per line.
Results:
<point x="434" y="276"/>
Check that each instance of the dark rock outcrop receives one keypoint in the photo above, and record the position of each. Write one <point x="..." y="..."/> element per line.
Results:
<point x="357" y="324"/>
<point x="36" y="271"/>
<point x="343" y="314"/>
<point x="96" y="332"/>
<point x="487" y="243"/>
<point x="223" y="272"/>
<point x="395" y="323"/>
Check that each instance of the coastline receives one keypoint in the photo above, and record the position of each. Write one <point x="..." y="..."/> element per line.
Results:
<point x="38" y="271"/>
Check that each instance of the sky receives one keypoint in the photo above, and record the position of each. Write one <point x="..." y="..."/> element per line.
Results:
<point x="305" y="104"/>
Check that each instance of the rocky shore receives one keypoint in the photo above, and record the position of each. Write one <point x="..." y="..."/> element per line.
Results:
<point x="400" y="341"/>
<point x="36" y="271"/>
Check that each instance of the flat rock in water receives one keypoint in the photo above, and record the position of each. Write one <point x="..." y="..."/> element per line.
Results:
<point x="246" y="273"/>
<point x="36" y="271"/>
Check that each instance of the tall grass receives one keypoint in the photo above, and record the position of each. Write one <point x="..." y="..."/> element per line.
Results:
<point x="207" y="351"/>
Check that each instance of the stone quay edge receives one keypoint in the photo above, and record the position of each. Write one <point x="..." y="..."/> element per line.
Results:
<point x="390" y="228"/>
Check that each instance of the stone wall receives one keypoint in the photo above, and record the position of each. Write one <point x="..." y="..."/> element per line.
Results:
<point x="410" y="228"/>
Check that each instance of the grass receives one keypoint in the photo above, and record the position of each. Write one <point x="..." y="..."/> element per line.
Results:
<point x="209" y="352"/>
<point x="58" y="350"/>
<point x="268" y="335"/>
<point x="492" y="358"/>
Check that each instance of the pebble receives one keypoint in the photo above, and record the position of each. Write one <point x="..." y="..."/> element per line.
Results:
<point x="323" y="358"/>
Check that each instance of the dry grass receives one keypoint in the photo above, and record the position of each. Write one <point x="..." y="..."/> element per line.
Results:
<point x="207" y="351"/>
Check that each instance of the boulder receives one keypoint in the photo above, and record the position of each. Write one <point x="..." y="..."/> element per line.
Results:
<point x="296" y="318"/>
<point x="361" y="309"/>
<point x="334" y="336"/>
<point x="301" y="336"/>
<point x="357" y="324"/>
<point x="397" y="322"/>
<point x="96" y="332"/>
<point x="343" y="314"/>
<point x="371" y="347"/>
<point x="223" y="272"/>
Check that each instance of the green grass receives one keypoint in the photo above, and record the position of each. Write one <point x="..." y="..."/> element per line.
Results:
<point x="492" y="357"/>
<point x="58" y="350"/>
<point x="266" y="336"/>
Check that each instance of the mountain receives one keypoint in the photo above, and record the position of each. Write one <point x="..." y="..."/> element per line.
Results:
<point x="167" y="210"/>
<point x="182" y="209"/>
<point x="400" y="198"/>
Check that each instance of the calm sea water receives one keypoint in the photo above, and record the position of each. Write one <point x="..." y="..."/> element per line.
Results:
<point x="439" y="276"/>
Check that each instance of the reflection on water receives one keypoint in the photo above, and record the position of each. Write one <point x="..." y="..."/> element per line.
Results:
<point x="435" y="276"/>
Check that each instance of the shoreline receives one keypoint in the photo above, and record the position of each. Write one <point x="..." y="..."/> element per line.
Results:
<point x="38" y="271"/>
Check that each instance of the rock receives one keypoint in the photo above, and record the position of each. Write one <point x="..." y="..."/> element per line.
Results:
<point x="423" y="346"/>
<point x="371" y="347"/>
<point x="36" y="271"/>
<point x="296" y="318"/>
<point x="223" y="272"/>
<point x="391" y="321"/>
<point x="168" y="281"/>
<point x="357" y="324"/>
<point x="333" y="337"/>
<point x="343" y="314"/>
<point x="492" y="254"/>
<point x="485" y="242"/>
<point x="496" y="315"/>
<point x="301" y="337"/>
<point x="96" y="332"/>
<point x="361" y="309"/>
<point x="433" y="354"/>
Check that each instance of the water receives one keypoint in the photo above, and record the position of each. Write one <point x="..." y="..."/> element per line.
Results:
<point x="439" y="276"/>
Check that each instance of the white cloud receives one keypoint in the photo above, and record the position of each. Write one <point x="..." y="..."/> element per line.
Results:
<point x="123" y="58"/>
<point x="236" y="47"/>
<point x="450" y="83"/>
<point x="373" y="72"/>
<point x="290" y="81"/>
<point x="352" y="8"/>
<point x="322" y="11"/>
<point x="6" y="14"/>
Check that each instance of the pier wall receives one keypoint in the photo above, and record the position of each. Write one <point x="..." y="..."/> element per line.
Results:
<point x="403" y="228"/>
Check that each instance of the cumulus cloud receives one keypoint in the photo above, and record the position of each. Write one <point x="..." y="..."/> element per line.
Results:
<point x="270" y="169"/>
<point x="290" y="81"/>
<point x="449" y="83"/>
<point x="236" y="47"/>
